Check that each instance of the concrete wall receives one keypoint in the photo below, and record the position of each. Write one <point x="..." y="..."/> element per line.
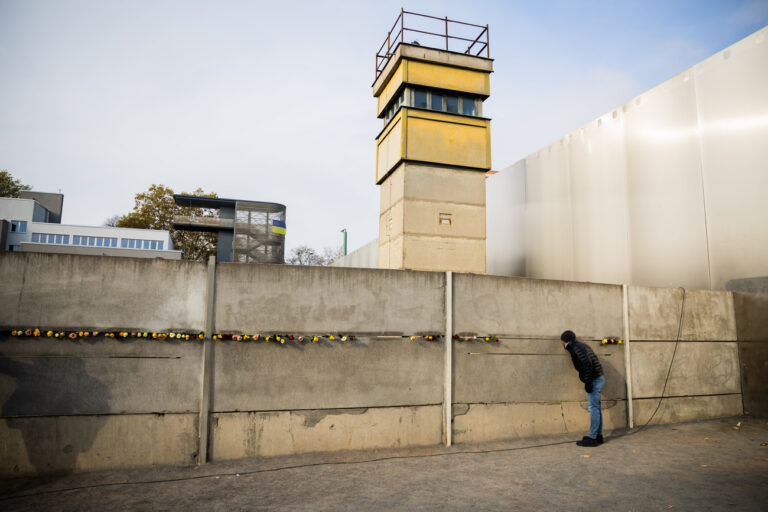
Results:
<point x="665" y="190"/>
<point x="106" y="403"/>
<point x="366" y="256"/>
<point x="751" y="312"/>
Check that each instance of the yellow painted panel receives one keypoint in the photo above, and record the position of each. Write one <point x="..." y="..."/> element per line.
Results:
<point x="391" y="88"/>
<point x="449" y="118"/>
<point x="389" y="147"/>
<point x="446" y="77"/>
<point x="448" y="143"/>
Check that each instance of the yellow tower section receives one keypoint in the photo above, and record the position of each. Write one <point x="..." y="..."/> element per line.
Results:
<point x="431" y="159"/>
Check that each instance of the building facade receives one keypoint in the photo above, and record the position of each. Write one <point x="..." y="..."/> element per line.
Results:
<point x="247" y="231"/>
<point x="29" y="226"/>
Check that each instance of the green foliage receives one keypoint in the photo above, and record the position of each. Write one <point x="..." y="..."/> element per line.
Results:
<point x="155" y="209"/>
<point x="9" y="186"/>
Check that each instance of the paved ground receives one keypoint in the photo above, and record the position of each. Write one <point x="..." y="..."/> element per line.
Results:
<point x="710" y="465"/>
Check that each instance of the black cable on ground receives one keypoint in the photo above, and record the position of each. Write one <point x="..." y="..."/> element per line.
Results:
<point x="271" y="470"/>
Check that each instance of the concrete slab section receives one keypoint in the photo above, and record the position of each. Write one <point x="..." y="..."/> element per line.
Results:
<point x="65" y="444"/>
<point x="367" y="372"/>
<point x="423" y="252"/>
<point x="686" y="408"/>
<point x="654" y="314"/>
<point x="47" y="376"/>
<point x="754" y="377"/>
<point x="432" y="183"/>
<point x="284" y="298"/>
<point x="699" y="368"/>
<point x="529" y="371"/>
<point x="479" y="423"/>
<point x="265" y="434"/>
<point x="751" y="312"/>
<point x="536" y="308"/>
<point x="71" y="291"/>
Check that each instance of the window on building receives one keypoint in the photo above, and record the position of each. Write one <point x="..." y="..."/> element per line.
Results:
<point x="420" y="99"/>
<point x="18" y="226"/>
<point x="49" y="238"/>
<point x="468" y="106"/>
<point x="133" y="243"/>
<point x="436" y="101"/>
<point x="452" y="104"/>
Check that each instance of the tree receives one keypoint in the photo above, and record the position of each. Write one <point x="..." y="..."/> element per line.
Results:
<point x="10" y="186"/>
<point x="305" y="255"/>
<point x="112" y="221"/>
<point x="155" y="209"/>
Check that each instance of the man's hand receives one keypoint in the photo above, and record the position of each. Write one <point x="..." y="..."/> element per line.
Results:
<point x="588" y="387"/>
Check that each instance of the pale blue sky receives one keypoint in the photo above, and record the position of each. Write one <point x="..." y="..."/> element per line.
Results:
<point x="272" y="101"/>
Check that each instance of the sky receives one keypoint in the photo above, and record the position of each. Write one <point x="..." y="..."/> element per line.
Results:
<point x="272" y="101"/>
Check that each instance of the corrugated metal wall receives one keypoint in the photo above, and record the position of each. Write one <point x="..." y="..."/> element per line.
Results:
<point x="668" y="189"/>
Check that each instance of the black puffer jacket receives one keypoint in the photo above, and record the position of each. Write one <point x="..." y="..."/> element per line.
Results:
<point x="586" y="363"/>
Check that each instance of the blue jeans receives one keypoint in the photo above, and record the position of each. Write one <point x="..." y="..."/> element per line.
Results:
<point x="595" y="412"/>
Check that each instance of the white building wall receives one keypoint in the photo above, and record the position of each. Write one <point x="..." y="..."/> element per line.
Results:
<point x="665" y="190"/>
<point x="28" y="209"/>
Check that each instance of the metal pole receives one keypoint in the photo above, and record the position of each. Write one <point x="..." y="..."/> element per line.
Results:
<point x="446" y="33"/>
<point x="448" y="360"/>
<point x="487" y="42"/>
<point x="627" y="356"/>
<point x="345" y="240"/>
<point x="205" y="385"/>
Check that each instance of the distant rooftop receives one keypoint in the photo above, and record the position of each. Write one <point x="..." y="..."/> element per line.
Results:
<point x="433" y="33"/>
<point x="219" y="202"/>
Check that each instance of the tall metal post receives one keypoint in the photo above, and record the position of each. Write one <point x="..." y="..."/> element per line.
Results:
<point x="448" y="361"/>
<point x="627" y="356"/>
<point x="345" y="240"/>
<point x="205" y="385"/>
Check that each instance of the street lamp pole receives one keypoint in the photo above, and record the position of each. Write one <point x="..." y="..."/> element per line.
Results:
<point x="345" y="240"/>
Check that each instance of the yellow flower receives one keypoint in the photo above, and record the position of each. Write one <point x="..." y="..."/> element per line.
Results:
<point x="36" y="332"/>
<point x="413" y="338"/>
<point x="173" y="335"/>
<point x="49" y="333"/>
<point x="200" y="336"/>
<point x="619" y="342"/>
<point x="314" y="338"/>
<point x="604" y="342"/>
<point x="343" y="338"/>
<point x="13" y="333"/>
<point x="186" y="337"/>
<point x="278" y="338"/>
<point x="154" y="335"/>
<point x="331" y="337"/>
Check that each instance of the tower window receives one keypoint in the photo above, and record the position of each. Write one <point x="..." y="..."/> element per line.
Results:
<point x="452" y="104"/>
<point x="468" y="106"/>
<point x="436" y="102"/>
<point x="420" y="99"/>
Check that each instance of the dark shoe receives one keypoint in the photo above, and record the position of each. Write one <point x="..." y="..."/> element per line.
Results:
<point x="599" y="438"/>
<point x="587" y="441"/>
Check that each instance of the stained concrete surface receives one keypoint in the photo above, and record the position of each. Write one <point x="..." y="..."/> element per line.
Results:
<point x="707" y="465"/>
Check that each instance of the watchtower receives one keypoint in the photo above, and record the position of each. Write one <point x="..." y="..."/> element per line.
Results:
<point x="434" y="150"/>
